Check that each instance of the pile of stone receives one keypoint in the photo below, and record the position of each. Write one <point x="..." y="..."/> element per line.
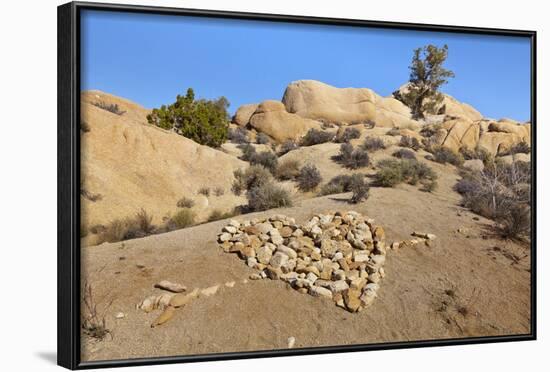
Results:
<point x="334" y="255"/>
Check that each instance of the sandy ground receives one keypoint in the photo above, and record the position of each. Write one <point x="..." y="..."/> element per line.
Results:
<point x="487" y="279"/>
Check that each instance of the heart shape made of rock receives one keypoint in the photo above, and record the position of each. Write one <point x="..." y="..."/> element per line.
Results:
<point x="335" y="255"/>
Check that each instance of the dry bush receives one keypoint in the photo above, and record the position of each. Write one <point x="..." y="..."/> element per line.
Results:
<point x="267" y="159"/>
<point x="267" y="196"/>
<point x="348" y="135"/>
<point x="359" y="189"/>
<point x="185" y="202"/>
<point x="315" y="137"/>
<point x="93" y="319"/>
<point x="238" y="135"/>
<point x="287" y="146"/>
<point x="477" y="153"/>
<point x="204" y="191"/>
<point x="373" y="144"/>
<point x="353" y="158"/>
<point x="262" y="139"/>
<point x="288" y="169"/>
<point x="445" y="155"/>
<point x="144" y="222"/>
<point x="404" y="154"/>
<point x="84" y="126"/>
<point x="219" y="191"/>
<point x="409" y="142"/>
<point x="219" y="215"/>
<point x="393" y="172"/>
<point x="253" y="176"/>
<point x="394" y="132"/>
<point x="501" y="192"/>
<point x="247" y="151"/>
<point x="309" y="178"/>
<point x="340" y="184"/>
<point x="183" y="218"/>
<point x="113" y="107"/>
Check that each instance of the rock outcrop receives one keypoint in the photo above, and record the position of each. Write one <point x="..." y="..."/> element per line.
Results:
<point x="271" y="118"/>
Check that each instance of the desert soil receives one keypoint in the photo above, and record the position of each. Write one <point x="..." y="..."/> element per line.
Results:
<point x="469" y="283"/>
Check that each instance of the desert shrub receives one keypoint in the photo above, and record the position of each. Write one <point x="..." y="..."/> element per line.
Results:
<point x="93" y="318"/>
<point x="144" y="222"/>
<point x="315" y="137"/>
<point x="288" y="169"/>
<point x="393" y="172"/>
<point x="340" y="184"/>
<point x="262" y="139"/>
<point x="266" y="158"/>
<point x="204" y="191"/>
<point x="445" y="155"/>
<point x="373" y="144"/>
<point x="500" y="192"/>
<point x="185" y="202"/>
<point x="353" y="158"/>
<point x="219" y="215"/>
<point x="404" y="154"/>
<point x="248" y="151"/>
<point x="238" y="135"/>
<point x="219" y="191"/>
<point x="267" y="196"/>
<point x="287" y="146"/>
<point x="410" y="142"/>
<point x="253" y="176"/>
<point x="116" y="231"/>
<point x="393" y="132"/>
<point x="204" y="121"/>
<point x="348" y="135"/>
<point x="183" y="218"/>
<point x="359" y="189"/>
<point x="309" y="178"/>
<point x="520" y="147"/>
<point x="112" y="107"/>
<point x="516" y="222"/>
<point x="477" y="153"/>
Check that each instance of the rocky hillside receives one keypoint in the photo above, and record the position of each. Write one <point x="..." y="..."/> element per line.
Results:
<point x="128" y="164"/>
<point x="309" y="104"/>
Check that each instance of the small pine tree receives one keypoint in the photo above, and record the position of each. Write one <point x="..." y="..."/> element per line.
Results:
<point x="204" y="121"/>
<point x="426" y="77"/>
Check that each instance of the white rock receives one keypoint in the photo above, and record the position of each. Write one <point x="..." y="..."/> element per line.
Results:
<point x="230" y="284"/>
<point x="210" y="291"/>
<point x="315" y="290"/>
<point x="120" y="315"/>
<point x="338" y="286"/>
<point x="230" y="229"/>
<point x="291" y="341"/>
<point x="278" y="259"/>
<point x="291" y="253"/>
<point x="224" y="237"/>
<point x="235" y="223"/>
<point x="311" y="277"/>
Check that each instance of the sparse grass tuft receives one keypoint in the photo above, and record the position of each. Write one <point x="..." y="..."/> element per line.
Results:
<point x="93" y="319"/>
<point x="445" y="155"/>
<point x="353" y="158"/>
<point x="287" y="146"/>
<point x="410" y="142"/>
<point x="219" y="191"/>
<point x="348" y="135"/>
<point x="253" y="176"/>
<point x="185" y="203"/>
<point x="183" y="218"/>
<point x="267" y="159"/>
<point x="393" y="172"/>
<point x="404" y="154"/>
<point x="373" y="144"/>
<point x="204" y="191"/>
<point x="267" y="196"/>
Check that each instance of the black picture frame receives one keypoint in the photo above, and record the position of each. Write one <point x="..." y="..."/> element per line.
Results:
<point x="68" y="250"/>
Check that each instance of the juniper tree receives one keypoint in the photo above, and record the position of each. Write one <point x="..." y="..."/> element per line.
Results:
<point x="426" y="77"/>
<point x="204" y="121"/>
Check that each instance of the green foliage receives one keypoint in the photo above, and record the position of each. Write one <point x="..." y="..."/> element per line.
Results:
<point x="309" y="178"/>
<point x="427" y="75"/>
<point x="267" y="196"/>
<point x="204" y="121"/>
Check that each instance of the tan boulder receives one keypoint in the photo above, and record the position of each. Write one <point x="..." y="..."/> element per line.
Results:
<point x="509" y="126"/>
<point x="243" y="114"/>
<point x="452" y="107"/>
<point x="460" y="133"/>
<point x="315" y="100"/>
<point x="272" y="119"/>
<point x="498" y="143"/>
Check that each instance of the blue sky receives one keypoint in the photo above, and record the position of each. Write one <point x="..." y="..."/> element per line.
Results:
<point x="150" y="59"/>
